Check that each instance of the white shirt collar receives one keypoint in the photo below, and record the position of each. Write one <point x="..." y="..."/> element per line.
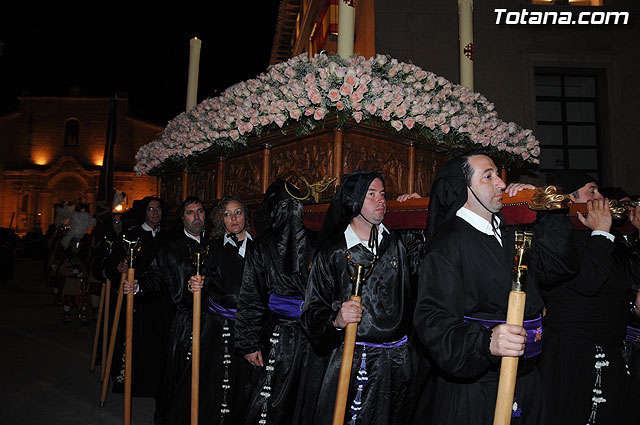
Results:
<point x="352" y="238"/>
<point x="189" y="235"/>
<point x="148" y="228"/>
<point x="243" y="247"/>
<point x="478" y="222"/>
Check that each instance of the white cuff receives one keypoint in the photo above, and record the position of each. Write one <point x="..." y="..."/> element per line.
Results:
<point x="603" y="233"/>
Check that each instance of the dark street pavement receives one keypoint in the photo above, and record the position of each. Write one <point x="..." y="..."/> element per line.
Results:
<point x="44" y="364"/>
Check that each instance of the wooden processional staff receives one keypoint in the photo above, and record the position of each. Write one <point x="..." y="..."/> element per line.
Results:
<point x="359" y="276"/>
<point x="515" y="316"/>
<point x="112" y="342"/>
<point x="105" y="328"/>
<point x="96" y="337"/>
<point x="198" y="258"/>
<point x="132" y="249"/>
<point x="103" y="316"/>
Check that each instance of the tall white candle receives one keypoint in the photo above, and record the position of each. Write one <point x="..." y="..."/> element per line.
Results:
<point x="194" y="63"/>
<point x="465" y="29"/>
<point x="346" y="18"/>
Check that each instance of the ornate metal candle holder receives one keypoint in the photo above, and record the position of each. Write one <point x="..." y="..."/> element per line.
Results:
<point x="520" y="266"/>
<point x="360" y="274"/>
<point x="132" y="248"/>
<point x="198" y="257"/>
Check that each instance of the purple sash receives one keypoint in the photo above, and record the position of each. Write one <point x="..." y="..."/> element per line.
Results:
<point x="227" y="313"/>
<point x="633" y="334"/>
<point x="394" y="344"/>
<point x="533" y="328"/>
<point x="289" y="307"/>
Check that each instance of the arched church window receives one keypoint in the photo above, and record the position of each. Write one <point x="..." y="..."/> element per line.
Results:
<point x="71" y="132"/>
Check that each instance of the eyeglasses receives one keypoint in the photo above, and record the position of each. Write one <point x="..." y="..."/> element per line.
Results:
<point x="152" y="209"/>
<point x="116" y="221"/>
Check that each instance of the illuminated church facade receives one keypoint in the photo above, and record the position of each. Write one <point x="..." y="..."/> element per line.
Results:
<point x="52" y="151"/>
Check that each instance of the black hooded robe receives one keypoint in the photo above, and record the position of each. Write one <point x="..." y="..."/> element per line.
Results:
<point x="385" y="395"/>
<point x="275" y="336"/>
<point x="388" y="301"/>
<point x="277" y="264"/>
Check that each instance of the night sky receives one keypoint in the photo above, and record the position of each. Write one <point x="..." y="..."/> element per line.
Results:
<point x="140" y="51"/>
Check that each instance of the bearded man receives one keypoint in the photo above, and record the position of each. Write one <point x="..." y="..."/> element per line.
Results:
<point x="173" y="272"/>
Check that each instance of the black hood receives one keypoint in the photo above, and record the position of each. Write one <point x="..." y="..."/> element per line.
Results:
<point x="346" y="203"/>
<point x="279" y="221"/>
<point x="448" y="195"/>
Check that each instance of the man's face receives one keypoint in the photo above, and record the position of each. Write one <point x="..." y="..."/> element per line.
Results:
<point x="375" y="204"/>
<point x="588" y="192"/>
<point x="116" y="223"/>
<point x="234" y="218"/>
<point x="487" y="185"/>
<point x="193" y="218"/>
<point x="153" y="214"/>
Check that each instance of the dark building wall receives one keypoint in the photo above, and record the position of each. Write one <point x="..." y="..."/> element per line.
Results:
<point x="46" y="119"/>
<point x="506" y="56"/>
<point x="13" y="143"/>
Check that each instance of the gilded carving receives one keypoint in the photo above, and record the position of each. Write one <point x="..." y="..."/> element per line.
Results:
<point x="549" y="198"/>
<point x="311" y="160"/>
<point x="389" y="159"/>
<point x="203" y="185"/>
<point x="172" y="191"/>
<point x="243" y="177"/>
<point x="425" y="165"/>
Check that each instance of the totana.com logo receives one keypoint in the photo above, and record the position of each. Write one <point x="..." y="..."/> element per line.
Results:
<point x="525" y="17"/>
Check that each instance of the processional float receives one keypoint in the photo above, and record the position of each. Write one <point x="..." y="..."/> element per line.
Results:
<point x="377" y="114"/>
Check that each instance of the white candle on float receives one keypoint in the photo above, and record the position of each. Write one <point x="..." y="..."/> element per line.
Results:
<point x="346" y="18"/>
<point x="194" y="62"/>
<point x="465" y="30"/>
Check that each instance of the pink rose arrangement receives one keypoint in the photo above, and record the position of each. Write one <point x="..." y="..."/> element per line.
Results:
<point x="307" y="90"/>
